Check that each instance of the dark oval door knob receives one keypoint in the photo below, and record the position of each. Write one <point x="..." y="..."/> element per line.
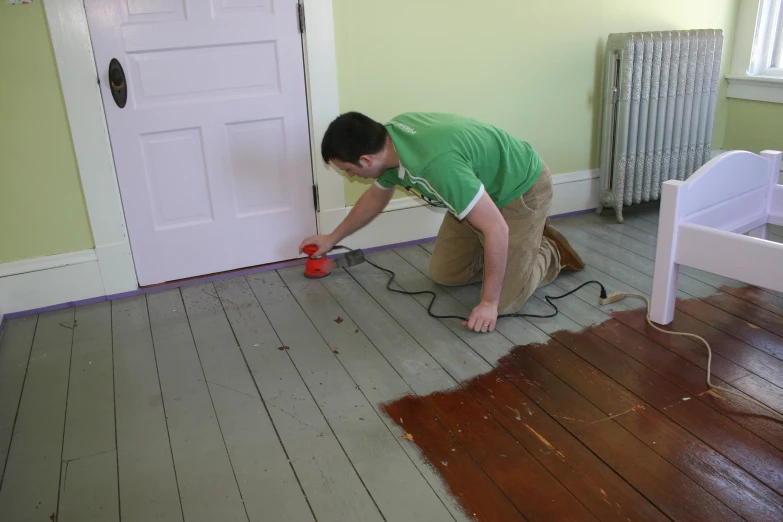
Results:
<point x="119" y="89"/>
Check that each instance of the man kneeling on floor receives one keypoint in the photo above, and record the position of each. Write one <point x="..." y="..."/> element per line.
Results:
<point x="496" y="188"/>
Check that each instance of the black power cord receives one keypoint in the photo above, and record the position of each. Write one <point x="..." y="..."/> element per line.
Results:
<point x="355" y="257"/>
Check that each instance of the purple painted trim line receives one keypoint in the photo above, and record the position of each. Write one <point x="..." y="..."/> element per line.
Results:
<point x="572" y="214"/>
<point x="189" y="282"/>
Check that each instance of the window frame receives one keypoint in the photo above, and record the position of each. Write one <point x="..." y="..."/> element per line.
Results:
<point x="758" y="41"/>
<point x="767" y="40"/>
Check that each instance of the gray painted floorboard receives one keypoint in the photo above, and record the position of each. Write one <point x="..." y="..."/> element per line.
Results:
<point x="31" y="484"/>
<point x="404" y="353"/>
<point x="377" y="382"/>
<point x="374" y="452"/>
<point x="15" y="345"/>
<point x="89" y="486"/>
<point x="89" y="419"/>
<point x="147" y="480"/>
<point x="369" y="363"/>
<point x="207" y="486"/>
<point x="328" y="479"/>
<point x="267" y="482"/>
<point x="457" y="358"/>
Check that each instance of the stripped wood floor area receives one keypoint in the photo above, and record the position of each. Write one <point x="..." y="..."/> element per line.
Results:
<point x="273" y="397"/>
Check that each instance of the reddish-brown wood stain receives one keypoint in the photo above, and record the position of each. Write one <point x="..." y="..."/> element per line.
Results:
<point x="616" y="423"/>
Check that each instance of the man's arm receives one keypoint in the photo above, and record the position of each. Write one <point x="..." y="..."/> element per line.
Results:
<point x="486" y="217"/>
<point x="372" y="203"/>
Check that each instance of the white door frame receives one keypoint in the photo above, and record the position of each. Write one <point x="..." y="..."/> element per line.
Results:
<point x="84" y="106"/>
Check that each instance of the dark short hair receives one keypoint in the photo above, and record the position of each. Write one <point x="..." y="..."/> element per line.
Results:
<point x="352" y="135"/>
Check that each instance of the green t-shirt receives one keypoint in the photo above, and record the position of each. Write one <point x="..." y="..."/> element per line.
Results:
<point x="454" y="160"/>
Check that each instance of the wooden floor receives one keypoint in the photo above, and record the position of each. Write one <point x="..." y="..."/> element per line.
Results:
<point x="273" y="397"/>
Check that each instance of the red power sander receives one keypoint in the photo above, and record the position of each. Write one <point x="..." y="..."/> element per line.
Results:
<point x="321" y="266"/>
<point x="317" y="267"/>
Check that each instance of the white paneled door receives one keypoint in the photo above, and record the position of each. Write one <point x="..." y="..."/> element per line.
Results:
<point x="207" y="114"/>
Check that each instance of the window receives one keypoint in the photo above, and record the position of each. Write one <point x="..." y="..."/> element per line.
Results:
<point x="767" y="56"/>
<point x="757" y="63"/>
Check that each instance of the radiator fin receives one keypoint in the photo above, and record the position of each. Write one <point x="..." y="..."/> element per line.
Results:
<point x="661" y="126"/>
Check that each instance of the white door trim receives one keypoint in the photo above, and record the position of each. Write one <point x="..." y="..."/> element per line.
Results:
<point x="72" y="46"/>
<point x="323" y="103"/>
<point x="79" y="79"/>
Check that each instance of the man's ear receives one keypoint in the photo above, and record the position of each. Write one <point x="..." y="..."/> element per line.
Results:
<point x="366" y="161"/>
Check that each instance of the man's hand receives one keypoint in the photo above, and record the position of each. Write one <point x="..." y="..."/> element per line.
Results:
<point x="324" y="244"/>
<point x="372" y="202"/>
<point x="483" y="317"/>
<point x="486" y="217"/>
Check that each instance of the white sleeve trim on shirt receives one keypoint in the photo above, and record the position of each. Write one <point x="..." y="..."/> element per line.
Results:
<point x="382" y="187"/>
<point x="472" y="203"/>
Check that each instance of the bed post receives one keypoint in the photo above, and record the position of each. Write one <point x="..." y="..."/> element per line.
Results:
<point x="774" y="158"/>
<point x="664" y="291"/>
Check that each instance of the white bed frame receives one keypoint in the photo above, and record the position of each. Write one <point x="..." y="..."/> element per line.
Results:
<point x="703" y="222"/>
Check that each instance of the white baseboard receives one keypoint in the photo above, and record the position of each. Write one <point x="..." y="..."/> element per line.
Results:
<point x="49" y="281"/>
<point x="405" y="219"/>
<point x="47" y="262"/>
<point x="409" y="219"/>
<point x="574" y="192"/>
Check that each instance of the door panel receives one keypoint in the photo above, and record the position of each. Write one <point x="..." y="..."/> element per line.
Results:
<point x="212" y="149"/>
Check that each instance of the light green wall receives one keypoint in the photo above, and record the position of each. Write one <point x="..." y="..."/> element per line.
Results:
<point x="528" y="66"/>
<point x="42" y="208"/>
<point x="753" y="126"/>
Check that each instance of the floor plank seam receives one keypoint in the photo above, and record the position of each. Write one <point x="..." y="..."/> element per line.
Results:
<point x="88" y="456"/>
<point x="263" y="402"/>
<point x="163" y="405"/>
<point x="18" y="404"/>
<point x="212" y="401"/>
<point x="61" y="483"/>
<point x="231" y="389"/>
<point x="114" y="403"/>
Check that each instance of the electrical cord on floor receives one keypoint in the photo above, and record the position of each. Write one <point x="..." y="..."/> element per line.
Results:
<point x="617" y="296"/>
<point x="356" y="256"/>
<point x="548" y="298"/>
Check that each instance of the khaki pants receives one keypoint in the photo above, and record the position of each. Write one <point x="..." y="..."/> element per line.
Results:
<point x="533" y="260"/>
